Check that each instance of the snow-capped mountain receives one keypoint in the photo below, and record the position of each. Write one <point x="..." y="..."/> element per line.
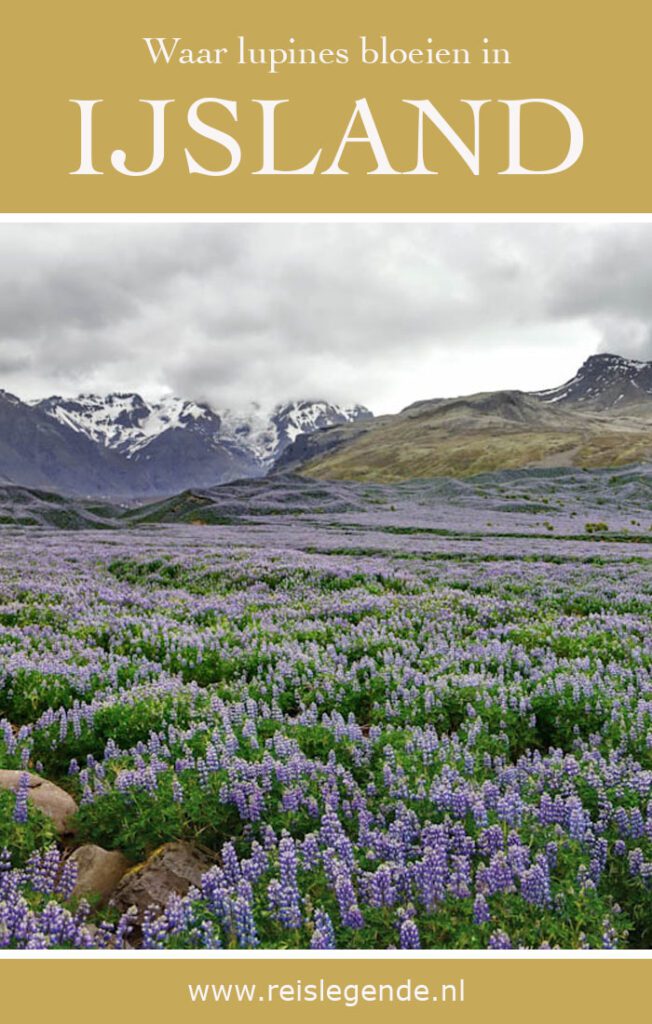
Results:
<point x="140" y="448"/>
<point x="266" y="436"/>
<point x="603" y="382"/>
<point x="125" y="422"/>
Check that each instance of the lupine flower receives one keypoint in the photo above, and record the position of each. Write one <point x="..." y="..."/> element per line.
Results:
<point x="20" y="807"/>
<point x="323" y="936"/>
<point x="499" y="940"/>
<point x="410" y="935"/>
<point x="481" y="913"/>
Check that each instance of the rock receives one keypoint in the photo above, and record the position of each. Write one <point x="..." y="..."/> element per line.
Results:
<point x="173" y="868"/>
<point x="53" y="801"/>
<point x="98" y="870"/>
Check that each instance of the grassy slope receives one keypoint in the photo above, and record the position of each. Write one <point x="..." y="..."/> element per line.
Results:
<point x="477" y="436"/>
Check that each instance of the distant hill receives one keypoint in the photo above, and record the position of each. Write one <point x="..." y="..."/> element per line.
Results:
<point x="24" y="506"/>
<point x="593" y="494"/>
<point x="601" y="418"/>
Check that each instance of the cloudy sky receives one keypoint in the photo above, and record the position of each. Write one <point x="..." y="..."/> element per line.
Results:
<point x="382" y="314"/>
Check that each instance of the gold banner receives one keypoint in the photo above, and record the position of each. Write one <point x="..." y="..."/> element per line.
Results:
<point x="452" y="990"/>
<point x="427" y="89"/>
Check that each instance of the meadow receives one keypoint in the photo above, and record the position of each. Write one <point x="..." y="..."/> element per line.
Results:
<point x="427" y="724"/>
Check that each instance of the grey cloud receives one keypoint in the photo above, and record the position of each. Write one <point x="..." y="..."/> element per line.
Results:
<point x="236" y="312"/>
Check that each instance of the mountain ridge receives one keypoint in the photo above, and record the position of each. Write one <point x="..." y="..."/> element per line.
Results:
<point x="121" y="446"/>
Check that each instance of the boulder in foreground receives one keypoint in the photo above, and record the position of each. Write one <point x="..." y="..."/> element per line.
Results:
<point x="53" y="801"/>
<point x="98" y="870"/>
<point x="172" y="868"/>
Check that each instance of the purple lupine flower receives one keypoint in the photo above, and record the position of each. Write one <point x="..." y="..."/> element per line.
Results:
<point x="382" y="889"/>
<point x="535" y="883"/>
<point x="244" y="924"/>
<point x="431" y="875"/>
<point x="409" y="935"/>
<point x="323" y="936"/>
<point x="347" y="901"/>
<point x="20" y="806"/>
<point x="68" y="878"/>
<point x="499" y="940"/>
<point x="481" y="912"/>
<point x="609" y="935"/>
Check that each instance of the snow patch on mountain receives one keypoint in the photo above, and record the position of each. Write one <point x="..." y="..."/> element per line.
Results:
<point x="252" y="429"/>
<point x="267" y="434"/>
<point x="125" y="422"/>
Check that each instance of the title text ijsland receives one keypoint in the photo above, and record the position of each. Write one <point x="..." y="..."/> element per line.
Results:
<point x="361" y="130"/>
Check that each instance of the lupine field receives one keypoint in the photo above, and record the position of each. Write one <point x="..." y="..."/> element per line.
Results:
<point x="427" y="724"/>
